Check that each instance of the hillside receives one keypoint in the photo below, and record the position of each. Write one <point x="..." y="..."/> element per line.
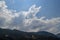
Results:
<point x="6" y="34"/>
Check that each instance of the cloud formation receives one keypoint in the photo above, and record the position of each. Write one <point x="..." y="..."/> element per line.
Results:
<point x="27" y="20"/>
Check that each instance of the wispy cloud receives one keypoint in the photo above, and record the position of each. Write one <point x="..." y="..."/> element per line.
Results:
<point x="27" y="20"/>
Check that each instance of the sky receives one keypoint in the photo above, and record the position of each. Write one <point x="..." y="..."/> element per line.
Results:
<point x="30" y="15"/>
<point x="50" y="8"/>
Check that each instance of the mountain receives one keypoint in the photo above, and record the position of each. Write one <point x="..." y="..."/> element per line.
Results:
<point x="6" y="34"/>
<point x="58" y="35"/>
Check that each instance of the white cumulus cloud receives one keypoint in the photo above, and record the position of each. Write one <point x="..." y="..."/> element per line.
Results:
<point x="27" y="20"/>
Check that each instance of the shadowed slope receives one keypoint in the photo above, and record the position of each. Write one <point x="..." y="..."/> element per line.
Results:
<point x="6" y="34"/>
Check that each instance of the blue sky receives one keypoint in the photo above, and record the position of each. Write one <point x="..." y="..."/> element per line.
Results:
<point x="50" y="8"/>
<point x="30" y="15"/>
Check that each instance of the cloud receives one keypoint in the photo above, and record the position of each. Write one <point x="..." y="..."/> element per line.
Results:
<point x="27" y="20"/>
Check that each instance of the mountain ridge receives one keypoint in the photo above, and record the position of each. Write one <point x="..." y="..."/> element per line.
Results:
<point x="7" y="34"/>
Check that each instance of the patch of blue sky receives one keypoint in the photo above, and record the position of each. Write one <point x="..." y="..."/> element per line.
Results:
<point x="50" y="8"/>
